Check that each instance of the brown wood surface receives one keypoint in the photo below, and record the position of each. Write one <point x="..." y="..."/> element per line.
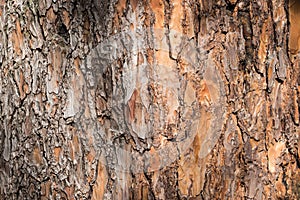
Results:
<point x="156" y="99"/>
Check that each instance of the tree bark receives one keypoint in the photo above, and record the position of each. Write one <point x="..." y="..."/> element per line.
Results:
<point x="116" y="99"/>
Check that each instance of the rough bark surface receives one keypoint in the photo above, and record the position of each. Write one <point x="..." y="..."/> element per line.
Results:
<point x="200" y="102"/>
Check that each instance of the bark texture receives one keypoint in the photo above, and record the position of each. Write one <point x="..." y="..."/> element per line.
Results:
<point x="150" y="99"/>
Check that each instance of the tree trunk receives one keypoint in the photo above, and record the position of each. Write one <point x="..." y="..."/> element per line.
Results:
<point x="116" y="99"/>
